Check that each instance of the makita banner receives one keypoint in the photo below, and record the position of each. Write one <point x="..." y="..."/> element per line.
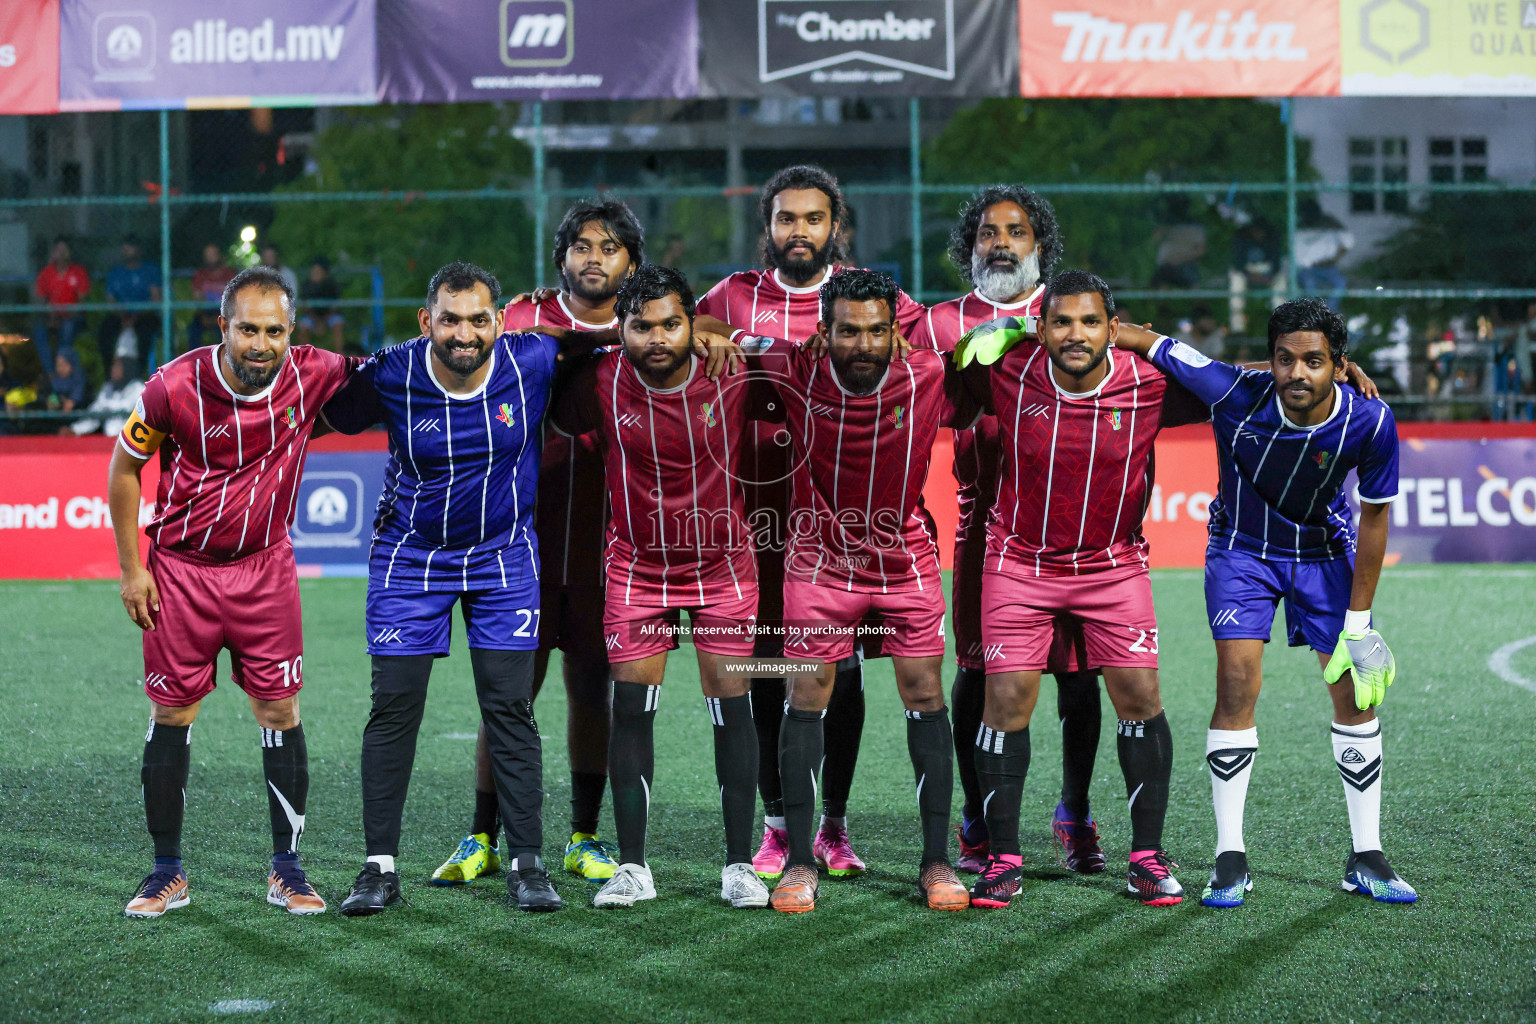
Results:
<point x="125" y="54"/>
<point x="1178" y="48"/>
<point x="450" y="51"/>
<point x="29" y="56"/>
<point x="858" y="48"/>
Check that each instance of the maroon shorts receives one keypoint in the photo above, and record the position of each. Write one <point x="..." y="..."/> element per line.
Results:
<point x="249" y="606"/>
<point x="1113" y="608"/>
<point x="571" y="620"/>
<point x="1068" y="650"/>
<point x="632" y="631"/>
<point x="821" y="622"/>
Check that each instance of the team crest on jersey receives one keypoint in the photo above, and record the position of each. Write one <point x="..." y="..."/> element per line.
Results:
<point x="505" y="414"/>
<point x="1322" y="459"/>
<point x="290" y="419"/>
<point x="1114" y="419"/>
<point x="707" y="414"/>
<point x="898" y="415"/>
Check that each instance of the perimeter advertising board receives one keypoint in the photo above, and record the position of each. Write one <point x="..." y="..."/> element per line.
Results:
<point x="858" y="48"/>
<point x="29" y="56"/>
<point x="126" y="54"/>
<point x="1439" y="48"/>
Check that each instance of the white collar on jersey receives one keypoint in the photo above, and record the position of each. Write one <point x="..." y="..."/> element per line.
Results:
<point x="1026" y="300"/>
<point x="1081" y="396"/>
<point x="490" y="369"/>
<point x="1285" y="421"/>
<point x="218" y="353"/>
<point x="807" y="290"/>
<point x="560" y="298"/>
<point x="693" y="370"/>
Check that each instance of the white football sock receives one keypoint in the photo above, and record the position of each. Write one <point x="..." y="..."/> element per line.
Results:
<point x="386" y="863"/>
<point x="834" y="822"/>
<point x="774" y="821"/>
<point x="1229" y="754"/>
<point x="1357" y="752"/>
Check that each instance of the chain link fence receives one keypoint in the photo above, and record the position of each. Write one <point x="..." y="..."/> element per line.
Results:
<point x="159" y="209"/>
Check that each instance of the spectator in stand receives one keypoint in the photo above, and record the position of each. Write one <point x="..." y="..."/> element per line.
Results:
<point x="113" y="403"/>
<point x="319" y="288"/>
<point x="1180" y="245"/>
<point x="129" y="332"/>
<point x="272" y="256"/>
<point x="1202" y="332"/>
<point x="61" y="284"/>
<point x="208" y="283"/>
<point x="67" y="384"/>
<point x="1257" y="265"/>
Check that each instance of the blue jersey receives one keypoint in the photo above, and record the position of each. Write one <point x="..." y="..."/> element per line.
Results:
<point x="457" y="509"/>
<point x="1282" y="486"/>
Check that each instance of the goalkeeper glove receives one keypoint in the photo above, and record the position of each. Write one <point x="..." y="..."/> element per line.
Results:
<point x="1362" y="652"/>
<point x="987" y="343"/>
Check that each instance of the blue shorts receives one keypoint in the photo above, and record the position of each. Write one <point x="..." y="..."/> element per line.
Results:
<point x="403" y="621"/>
<point x="1241" y="591"/>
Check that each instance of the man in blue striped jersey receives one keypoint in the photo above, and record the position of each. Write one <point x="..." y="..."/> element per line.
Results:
<point x="1281" y="530"/>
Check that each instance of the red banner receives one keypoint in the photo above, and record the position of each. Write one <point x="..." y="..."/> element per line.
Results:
<point x="29" y="57"/>
<point x="1178" y="48"/>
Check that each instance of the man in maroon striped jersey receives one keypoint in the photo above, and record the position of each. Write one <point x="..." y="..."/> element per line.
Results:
<point x="230" y="423"/>
<point x="803" y="214"/>
<point x="1005" y="242"/>
<point x="862" y="425"/>
<point x="1077" y="421"/>
<point x="597" y="246"/>
<point x="677" y="539"/>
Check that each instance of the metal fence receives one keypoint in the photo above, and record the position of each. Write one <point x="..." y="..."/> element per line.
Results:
<point x="1449" y="350"/>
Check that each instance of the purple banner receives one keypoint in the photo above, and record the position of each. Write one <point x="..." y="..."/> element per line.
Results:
<point x="126" y="54"/>
<point x="1465" y="501"/>
<point x="445" y="51"/>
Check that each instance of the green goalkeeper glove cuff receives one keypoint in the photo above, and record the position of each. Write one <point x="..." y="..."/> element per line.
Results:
<point x="987" y="343"/>
<point x="1366" y="657"/>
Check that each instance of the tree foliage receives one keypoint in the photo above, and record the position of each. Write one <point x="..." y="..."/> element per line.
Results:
<point x="1465" y="238"/>
<point x="406" y="150"/>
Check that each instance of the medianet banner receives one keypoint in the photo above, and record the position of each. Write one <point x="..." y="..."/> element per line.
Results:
<point x="453" y="51"/>
<point x="126" y="54"/>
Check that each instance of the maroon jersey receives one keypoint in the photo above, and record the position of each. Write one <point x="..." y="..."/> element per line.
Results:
<point x="571" y="484"/>
<point x="229" y="464"/>
<point x="1076" y="470"/>
<point x="758" y="302"/>
<point x="677" y="529"/>
<point x="976" y="448"/>
<point x="859" y="465"/>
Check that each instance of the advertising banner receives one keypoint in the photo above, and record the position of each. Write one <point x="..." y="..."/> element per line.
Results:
<point x="858" y="48"/>
<point x="448" y="51"/>
<point x="125" y="54"/>
<point x="1179" y="48"/>
<point x="1439" y="48"/>
<point x="29" y="56"/>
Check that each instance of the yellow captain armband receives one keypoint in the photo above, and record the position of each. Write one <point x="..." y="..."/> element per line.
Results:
<point x="139" y="438"/>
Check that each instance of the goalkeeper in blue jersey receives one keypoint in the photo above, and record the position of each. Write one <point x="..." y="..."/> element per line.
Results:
<point x="1281" y="530"/>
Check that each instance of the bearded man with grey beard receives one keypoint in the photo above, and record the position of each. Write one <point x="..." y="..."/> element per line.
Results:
<point x="1005" y="243"/>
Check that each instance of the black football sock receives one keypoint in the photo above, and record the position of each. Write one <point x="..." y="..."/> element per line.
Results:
<point x="167" y="760"/>
<point x="1002" y="762"/>
<point x="285" y="761"/>
<point x="1146" y="760"/>
<point x="736" y="766"/>
<point x="1077" y="706"/>
<point x="632" y="764"/>
<point x="767" y="714"/>
<point x="842" y="730"/>
<point x="967" y="698"/>
<point x="931" y="747"/>
<point x="389" y="746"/>
<point x="487" y="818"/>
<point x="800" y="753"/>
<point x="586" y="800"/>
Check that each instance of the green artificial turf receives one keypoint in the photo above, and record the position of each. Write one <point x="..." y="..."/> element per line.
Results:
<point x="1458" y="822"/>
